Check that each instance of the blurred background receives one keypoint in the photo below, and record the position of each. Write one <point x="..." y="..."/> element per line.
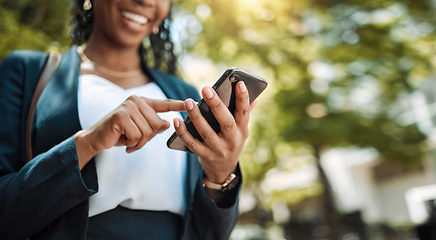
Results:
<point x="342" y="142"/>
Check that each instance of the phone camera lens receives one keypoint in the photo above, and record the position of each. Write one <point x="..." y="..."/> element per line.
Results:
<point x="234" y="78"/>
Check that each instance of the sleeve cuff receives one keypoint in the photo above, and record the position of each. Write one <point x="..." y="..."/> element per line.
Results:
<point x="231" y="197"/>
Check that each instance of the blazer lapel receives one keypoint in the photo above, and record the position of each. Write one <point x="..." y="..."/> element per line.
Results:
<point x="56" y="116"/>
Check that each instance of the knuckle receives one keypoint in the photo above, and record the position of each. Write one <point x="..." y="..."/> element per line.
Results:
<point x="133" y="98"/>
<point x="129" y="105"/>
<point x="191" y="146"/>
<point x="120" y="114"/>
<point x="218" y="105"/>
<point x="229" y="125"/>
<point x="166" y="103"/>
<point x="137" y="136"/>
<point x="115" y="128"/>
<point x="148" y="132"/>
<point x="181" y="134"/>
<point x="133" y="140"/>
<point x="244" y="112"/>
<point x="207" y="136"/>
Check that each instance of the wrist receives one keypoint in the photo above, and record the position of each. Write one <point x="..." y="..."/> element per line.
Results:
<point x="219" y="176"/>
<point x="230" y="183"/>
<point x="85" y="151"/>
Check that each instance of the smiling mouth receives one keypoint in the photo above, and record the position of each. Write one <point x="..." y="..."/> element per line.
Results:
<point x="139" y="19"/>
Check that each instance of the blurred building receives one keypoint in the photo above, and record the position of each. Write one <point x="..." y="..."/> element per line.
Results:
<point x="391" y="193"/>
<point x="387" y="193"/>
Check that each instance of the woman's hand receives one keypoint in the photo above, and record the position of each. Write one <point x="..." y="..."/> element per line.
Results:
<point x="219" y="153"/>
<point x="132" y="124"/>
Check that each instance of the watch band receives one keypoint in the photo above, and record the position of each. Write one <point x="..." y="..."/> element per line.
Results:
<point x="228" y="185"/>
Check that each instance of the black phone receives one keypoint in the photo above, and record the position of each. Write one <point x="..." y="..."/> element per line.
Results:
<point x="225" y="88"/>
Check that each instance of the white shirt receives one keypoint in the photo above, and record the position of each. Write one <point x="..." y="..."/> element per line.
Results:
<point x="152" y="178"/>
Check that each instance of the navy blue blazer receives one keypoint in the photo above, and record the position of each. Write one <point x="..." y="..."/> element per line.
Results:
<point x="47" y="198"/>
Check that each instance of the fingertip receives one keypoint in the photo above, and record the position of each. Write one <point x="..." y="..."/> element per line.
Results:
<point x="242" y="86"/>
<point x="129" y="150"/>
<point x="189" y="104"/>
<point x="176" y="123"/>
<point x="207" y="92"/>
<point x="164" y="127"/>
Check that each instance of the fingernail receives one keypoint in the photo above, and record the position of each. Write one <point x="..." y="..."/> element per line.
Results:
<point x="176" y="123"/>
<point x="242" y="87"/>
<point x="208" y="92"/>
<point x="189" y="104"/>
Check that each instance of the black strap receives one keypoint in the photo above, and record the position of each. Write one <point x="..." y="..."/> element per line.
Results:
<point x="50" y="68"/>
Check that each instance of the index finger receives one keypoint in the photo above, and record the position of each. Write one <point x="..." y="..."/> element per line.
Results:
<point x="166" y="105"/>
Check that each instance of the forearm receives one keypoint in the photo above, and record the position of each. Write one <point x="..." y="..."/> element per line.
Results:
<point x="211" y="219"/>
<point x="42" y="190"/>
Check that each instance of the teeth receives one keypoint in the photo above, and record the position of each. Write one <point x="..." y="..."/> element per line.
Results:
<point x="135" y="17"/>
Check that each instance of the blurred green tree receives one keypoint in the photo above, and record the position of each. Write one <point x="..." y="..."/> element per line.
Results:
<point x="337" y="69"/>
<point x="39" y="24"/>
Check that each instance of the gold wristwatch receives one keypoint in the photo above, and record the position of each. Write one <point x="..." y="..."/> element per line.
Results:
<point x="228" y="185"/>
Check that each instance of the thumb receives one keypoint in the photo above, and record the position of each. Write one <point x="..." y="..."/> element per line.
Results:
<point x="164" y="127"/>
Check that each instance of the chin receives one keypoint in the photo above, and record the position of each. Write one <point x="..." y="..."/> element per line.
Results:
<point x="131" y="41"/>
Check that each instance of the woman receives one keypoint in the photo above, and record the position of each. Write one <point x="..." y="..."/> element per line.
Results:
<point x="101" y="168"/>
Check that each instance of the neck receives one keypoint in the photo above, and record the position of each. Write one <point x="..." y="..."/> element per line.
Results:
<point x="89" y="65"/>
<point x="112" y="56"/>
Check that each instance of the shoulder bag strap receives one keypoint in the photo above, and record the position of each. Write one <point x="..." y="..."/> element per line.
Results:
<point x="50" y="68"/>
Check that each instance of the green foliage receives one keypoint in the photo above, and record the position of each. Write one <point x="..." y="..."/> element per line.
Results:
<point x="336" y="70"/>
<point x="40" y="24"/>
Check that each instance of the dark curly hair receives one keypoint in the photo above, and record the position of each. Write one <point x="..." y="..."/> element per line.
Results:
<point x="162" y="56"/>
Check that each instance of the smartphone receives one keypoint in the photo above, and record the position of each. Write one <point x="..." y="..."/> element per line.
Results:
<point x="225" y="88"/>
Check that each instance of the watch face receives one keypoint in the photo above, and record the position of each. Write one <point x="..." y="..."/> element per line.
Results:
<point x="232" y="184"/>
